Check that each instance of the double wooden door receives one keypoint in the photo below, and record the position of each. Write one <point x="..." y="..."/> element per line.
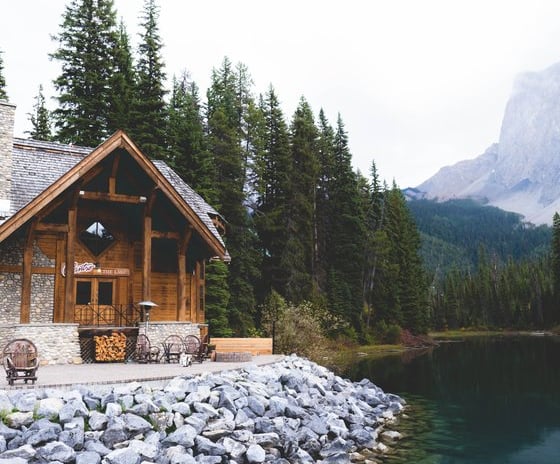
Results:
<point x="96" y="301"/>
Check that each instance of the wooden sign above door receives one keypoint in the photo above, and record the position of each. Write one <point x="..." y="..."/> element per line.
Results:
<point x="90" y="269"/>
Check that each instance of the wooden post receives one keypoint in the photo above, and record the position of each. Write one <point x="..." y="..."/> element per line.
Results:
<point x="70" y="258"/>
<point x="24" y="316"/>
<point x="194" y="285"/>
<point x="147" y="259"/>
<point x="59" y="280"/>
<point x="147" y="248"/>
<point x="182" y="245"/>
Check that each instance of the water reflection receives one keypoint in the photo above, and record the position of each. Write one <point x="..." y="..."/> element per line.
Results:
<point x="487" y="400"/>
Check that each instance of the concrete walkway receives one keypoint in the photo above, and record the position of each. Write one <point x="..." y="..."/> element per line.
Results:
<point x="69" y="375"/>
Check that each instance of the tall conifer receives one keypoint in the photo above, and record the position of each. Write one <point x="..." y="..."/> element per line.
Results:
<point x="226" y="120"/>
<point x="410" y="309"/>
<point x="40" y="119"/>
<point x="297" y="257"/>
<point x="123" y="84"/>
<point x="186" y="142"/>
<point x="87" y="41"/>
<point x="272" y="189"/>
<point x="148" y="111"/>
<point x="347" y="233"/>
<point x="3" y="94"/>
<point x="323" y="216"/>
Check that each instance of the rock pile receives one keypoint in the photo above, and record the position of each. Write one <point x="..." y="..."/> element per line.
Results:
<point x="290" y="411"/>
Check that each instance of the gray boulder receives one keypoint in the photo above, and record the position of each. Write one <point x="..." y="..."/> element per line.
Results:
<point x="88" y="457"/>
<point x="255" y="454"/>
<point x="57" y="451"/>
<point x="123" y="456"/>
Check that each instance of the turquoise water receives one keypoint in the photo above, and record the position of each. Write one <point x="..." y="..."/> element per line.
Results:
<point x="481" y="401"/>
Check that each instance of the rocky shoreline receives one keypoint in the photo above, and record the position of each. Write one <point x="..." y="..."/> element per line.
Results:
<point x="292" y="411"/>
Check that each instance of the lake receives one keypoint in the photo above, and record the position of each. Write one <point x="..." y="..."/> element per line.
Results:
<point x="491" y="400"/>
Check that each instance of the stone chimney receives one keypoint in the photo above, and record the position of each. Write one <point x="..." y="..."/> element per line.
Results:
<point x="7" y="114"/>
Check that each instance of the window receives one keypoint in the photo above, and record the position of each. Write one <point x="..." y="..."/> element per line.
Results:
<point x="97" y="238"/>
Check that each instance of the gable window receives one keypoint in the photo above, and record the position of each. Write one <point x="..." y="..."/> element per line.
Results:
<point x="97" y="238"/>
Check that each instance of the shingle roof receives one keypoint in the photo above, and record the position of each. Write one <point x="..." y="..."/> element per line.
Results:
<point x="37" y="165"/>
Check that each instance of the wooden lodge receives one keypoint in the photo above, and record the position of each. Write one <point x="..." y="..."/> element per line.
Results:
<point x="87" y="234"/>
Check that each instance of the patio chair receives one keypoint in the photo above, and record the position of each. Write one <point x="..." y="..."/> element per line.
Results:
<point x="20" y="360"/>
<point x="197" y="349"/>
<point x="145" y="352"/>
<point x="173" y="346"/>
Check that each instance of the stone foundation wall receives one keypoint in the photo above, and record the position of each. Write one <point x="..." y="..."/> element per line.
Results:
<point x="10" y="297"/>
<point x="42" y="298"/>
<point x="56" y="343"/>
<point x="159" y="331"/>
<point x="42" y="285"/>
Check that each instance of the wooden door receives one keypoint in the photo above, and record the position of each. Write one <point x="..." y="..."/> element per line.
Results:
<point x="95" y="301"/>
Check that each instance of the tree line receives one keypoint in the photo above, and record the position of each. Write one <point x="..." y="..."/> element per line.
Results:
<point x="302" y="225"/>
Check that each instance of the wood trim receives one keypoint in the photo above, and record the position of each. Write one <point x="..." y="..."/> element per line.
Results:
<point x="25" y="310"/>
<point x="168" y="235"/>
<point x="192" y="296"/>
<point x="114" y="170"/>
<point x="147" y="259"/>
<point x="59" y="281"/>
<point x="182" y="246"/>
<point x="131" y="266"/>
<point x="70" y="258"/>
<point x="48" y="227"/>
<point x="16" y="269"/>
<point x="114" y="197"/>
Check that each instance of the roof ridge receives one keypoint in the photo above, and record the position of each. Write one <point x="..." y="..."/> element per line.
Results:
<point x="31" y="144"/>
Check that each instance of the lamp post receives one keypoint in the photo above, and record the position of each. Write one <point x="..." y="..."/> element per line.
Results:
<point x="146" y="308"/>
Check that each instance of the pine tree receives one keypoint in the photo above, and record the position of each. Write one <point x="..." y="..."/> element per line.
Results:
<point x="122" y="84"/>
<point x="297" y="257"/>
<point x="217" y="299"/>
<point x="3" y="94"/>
<point x="273" y="168"/>
<point x="375" y="241"/>
<point x="148" y="111"/>
<point x="409" y="289"/>
<point x="187" y="152"/>
<point x="347" y="233"/>
<point x="323" y="216"/>
<point x="87" y="41"/>
<point x="40" y="119"/>
<point x="226" y="120"/>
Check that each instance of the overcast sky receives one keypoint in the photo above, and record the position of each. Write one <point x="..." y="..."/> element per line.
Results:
<point x="419" y="84"/>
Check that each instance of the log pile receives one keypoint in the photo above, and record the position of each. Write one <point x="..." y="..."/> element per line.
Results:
<point x="110" y="347"/>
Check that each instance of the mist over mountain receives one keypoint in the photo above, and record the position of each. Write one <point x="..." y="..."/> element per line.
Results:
<point x="520" y="173"/>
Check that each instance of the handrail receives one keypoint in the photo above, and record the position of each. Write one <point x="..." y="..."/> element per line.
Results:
<point x="124" y="315"/>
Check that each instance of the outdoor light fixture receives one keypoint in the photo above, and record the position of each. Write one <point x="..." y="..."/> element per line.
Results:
<point x="146" y="308"/>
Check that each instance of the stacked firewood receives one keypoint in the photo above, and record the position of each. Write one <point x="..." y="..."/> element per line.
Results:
<point x="110" y="348"/>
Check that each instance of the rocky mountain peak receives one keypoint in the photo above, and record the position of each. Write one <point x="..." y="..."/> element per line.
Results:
<point x="521" y="173"/>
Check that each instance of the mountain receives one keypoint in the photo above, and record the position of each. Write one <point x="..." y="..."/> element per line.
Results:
<point x="520" y="173"/>
<point x="453" y="232"/>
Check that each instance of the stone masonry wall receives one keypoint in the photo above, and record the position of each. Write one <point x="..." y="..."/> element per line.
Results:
<point x="56" y="343"/>
<point x="7" y="113"/>
<point x="42" y="285"/>
<point x="11" y="252"/>
<point x="42" y="298"/>
<point x="159" y="331"/>
<point x="10" y="297"/>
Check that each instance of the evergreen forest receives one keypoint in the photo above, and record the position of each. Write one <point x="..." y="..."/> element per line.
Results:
<point x="302" y="226"/>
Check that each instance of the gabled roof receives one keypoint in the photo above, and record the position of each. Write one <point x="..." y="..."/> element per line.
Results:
<point x="45" y="167"/>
